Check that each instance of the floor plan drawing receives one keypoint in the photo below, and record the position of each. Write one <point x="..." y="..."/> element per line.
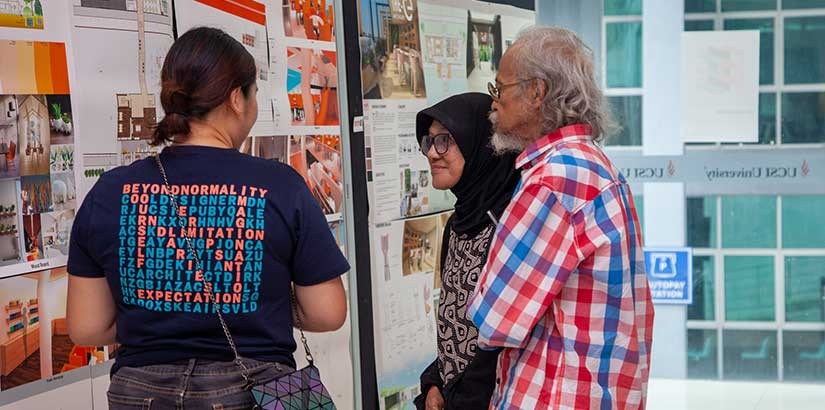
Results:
<point x="137" y="33"/>
<point x="136" y="113"/>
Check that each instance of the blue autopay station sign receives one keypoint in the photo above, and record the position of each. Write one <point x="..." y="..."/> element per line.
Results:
<point x="670" y="274"/>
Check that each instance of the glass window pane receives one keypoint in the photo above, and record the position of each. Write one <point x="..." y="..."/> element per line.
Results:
<point x="624" y="55"/>
<point x="803" y="4"/>
<point x="700" y="6"/>
<point x="622" y="7"/>
<point x="701" y="354"/>
<point x="627" y="111"/>
<point x="803" y="117"/>
<point x="765" y="27"/>
<point x="804" y="50"/>
<point x="749" y="354"/>
<point x="748" y="222"/>
<point x="639" y="202"/>
<point x="749" y="288"/>
<point x="767" y="118"/>
<point x="698" y="25"/>
<point x="804" y="354"/>
<point x="703" y="289"/>
<point x="805" y="289"/>
<point x="701" y="222"/>
<point x="745" y="5"/>
<point x="797" y="214"/>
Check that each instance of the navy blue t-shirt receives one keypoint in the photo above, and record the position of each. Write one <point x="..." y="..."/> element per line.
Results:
<point x="256" y="227"/>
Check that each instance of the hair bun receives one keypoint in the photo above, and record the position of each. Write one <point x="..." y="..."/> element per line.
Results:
<point x="180" y="103"/>
<point x="171" y="125"/>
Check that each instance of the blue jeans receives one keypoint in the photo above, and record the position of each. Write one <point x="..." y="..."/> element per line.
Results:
<point x="199" y="384"/>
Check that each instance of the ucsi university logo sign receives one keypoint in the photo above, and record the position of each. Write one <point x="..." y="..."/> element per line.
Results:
<point x="649" y="172"/>
<point x="759" y="172"/>
<point x="781" y="171"/>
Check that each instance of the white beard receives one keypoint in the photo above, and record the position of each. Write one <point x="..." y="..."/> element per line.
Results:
<point x="504" y="143"/>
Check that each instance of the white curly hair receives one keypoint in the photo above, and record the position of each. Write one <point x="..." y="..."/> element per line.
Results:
<point x="564" y="63"/>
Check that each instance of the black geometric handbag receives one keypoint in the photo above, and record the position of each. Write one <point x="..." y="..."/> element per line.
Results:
<point x="298" y="390"/>
<point x="301" y="389"/>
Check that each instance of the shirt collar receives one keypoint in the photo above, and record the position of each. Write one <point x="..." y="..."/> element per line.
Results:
<point x="536" y="151"/>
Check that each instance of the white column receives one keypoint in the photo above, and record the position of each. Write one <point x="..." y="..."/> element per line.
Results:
<point x="662" y="23"/>
<point x="664" y="203"/>
<point x="665" y="226"/>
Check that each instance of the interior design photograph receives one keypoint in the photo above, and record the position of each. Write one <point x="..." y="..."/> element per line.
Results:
<point x="9" y="158"/>
<point x="420" y="245"/>
<point x="34" y="133"/>
<point x="64" y="191"/>
<point x="35" y="303"/>
<point x="484" y="49"/>
<point x="312" y="86"/>
<point x="60" y="119"/>
<point x="56" y="231"/>
<point x="36" y="194"/>
<point x="391" y="61"/>
<point x="9" y="225"/>
<point x="309" y="19"/>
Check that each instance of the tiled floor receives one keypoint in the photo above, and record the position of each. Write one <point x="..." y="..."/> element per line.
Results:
<point x="715" y="395"/>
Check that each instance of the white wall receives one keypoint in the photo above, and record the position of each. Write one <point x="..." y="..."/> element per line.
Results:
<point x="58" y="289"/>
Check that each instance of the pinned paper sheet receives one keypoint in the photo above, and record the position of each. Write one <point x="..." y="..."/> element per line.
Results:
<point x="720" y="86"/>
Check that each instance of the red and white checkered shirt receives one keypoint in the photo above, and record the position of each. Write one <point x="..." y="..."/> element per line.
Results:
<point x="564" y="290"/>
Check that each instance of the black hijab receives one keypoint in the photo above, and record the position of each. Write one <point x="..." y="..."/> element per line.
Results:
<point x="488" y="180"/>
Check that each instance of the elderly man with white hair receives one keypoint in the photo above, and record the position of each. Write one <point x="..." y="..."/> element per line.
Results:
<point x="564" y="290"/>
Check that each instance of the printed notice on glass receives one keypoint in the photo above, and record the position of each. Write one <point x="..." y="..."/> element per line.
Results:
<point x="720" y="86"/>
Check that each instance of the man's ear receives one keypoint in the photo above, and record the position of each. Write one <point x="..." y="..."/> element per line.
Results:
<point x="537" y="93"/>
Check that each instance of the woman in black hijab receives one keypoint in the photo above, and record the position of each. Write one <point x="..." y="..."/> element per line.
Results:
<point x="455" y="136"/>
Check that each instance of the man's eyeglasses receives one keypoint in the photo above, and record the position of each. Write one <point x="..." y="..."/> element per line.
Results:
<point x="495" y="90"/>
<point x="441" y="142"/>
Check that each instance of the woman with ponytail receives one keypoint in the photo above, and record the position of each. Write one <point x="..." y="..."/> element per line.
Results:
<point x="160" y="247"/>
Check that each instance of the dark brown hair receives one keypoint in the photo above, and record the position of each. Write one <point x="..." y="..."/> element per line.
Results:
<point x="199" y="73"/>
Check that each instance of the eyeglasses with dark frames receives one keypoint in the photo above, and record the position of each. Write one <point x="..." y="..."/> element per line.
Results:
<point x="441" y="142"/>
<point x="495" y="90"/>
